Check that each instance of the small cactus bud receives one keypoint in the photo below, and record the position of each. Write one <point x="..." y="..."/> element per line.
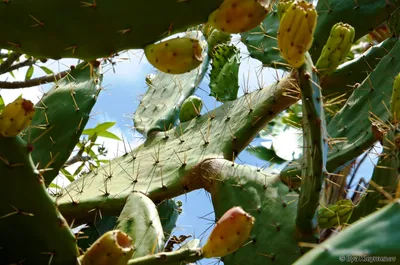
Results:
<point x="112" y="248"/>
<point x="15" y="117"/>
<point x="335" y="215"/>
<point x="229" y="234"/>
<point x="236" y="16"/>
<point x="175" y="56"/>
<point x="336" y="48"/>
<point x="296" y="30"/>
<point x="191" y="108"/>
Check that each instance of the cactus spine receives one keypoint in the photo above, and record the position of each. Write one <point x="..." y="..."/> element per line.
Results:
<point x="296" y="29"/>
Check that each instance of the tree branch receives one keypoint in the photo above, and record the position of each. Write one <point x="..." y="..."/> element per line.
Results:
<point x="28" y="62"/>
<point x="33" y="82"/>
<point x="11" y="59"/>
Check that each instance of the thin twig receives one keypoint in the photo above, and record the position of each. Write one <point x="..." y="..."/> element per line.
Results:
<point x="28" y="62"/>
<point x="33" y="82"/>
<point x="11" y="59"/>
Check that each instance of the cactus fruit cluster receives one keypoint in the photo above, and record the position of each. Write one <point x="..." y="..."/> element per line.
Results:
<point x="339" y="59"/>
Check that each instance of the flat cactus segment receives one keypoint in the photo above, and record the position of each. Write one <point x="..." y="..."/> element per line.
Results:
<point x="372" y="12"/>
<point x="395" y="100"/>
<point x="140" y="220"/>
<point x="369" y="101"/>
<point x="94" y="230"/>
<point x="61" y="115"/>
<point x="224" y="77"/>
<point x="268" y="200"/>
<point x="76" y="29"/>
<point x="159" y="108"/>
<point x="28" y="214"/>
<point x="385" y="179"/>
<point x="375" y="237"/>
<point x="166" y="165"/>
<point x="169" y="211"/>
<point x="315" y="145"/>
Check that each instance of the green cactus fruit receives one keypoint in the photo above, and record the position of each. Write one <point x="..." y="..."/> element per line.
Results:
<point x="113" y="248"/>
<point x="395" y="100"/>
<point x="191" y="108"/>
<point x="15" y="117"/>
<point x="175" y="56"/>
<point x="296" y="30"/>
<point x="336" y="214"/>
<point x="336" y="48"/>
<point x="235" y="16"/>
<point x="229" y="234"/>
<point x="216" y="37"/>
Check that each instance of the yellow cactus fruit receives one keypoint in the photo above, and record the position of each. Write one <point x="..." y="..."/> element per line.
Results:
<point x="236" y="16"/>
<point x="112" y="248"/>
<point x="15" y="117"/>
<point x="296" y="30"/>
<point x="336" y="48"/>
<point x="229" y="234"/>
<point x="175" y="56"/>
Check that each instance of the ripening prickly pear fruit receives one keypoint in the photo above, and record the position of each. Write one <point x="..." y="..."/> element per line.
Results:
<point x="395" y="100"/>
<point x="335" y="214"/>
<point x="113" y="248"/>
<point x="336" y="48"/>
<point x="283" y="5"/>
<point x="15" y="117"/>
<point x="191" y="108"/>
<point x="229" y="234"/>
<point x="236" y="16"/>
<point x="296" y="30"/>
<point x="175" y="56"/>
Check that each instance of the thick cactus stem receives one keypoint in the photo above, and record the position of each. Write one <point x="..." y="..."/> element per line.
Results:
<point x="15" y="117"/>
<point x="175" y="56"/>
<point x="336" y="48"/>
<point x="239" y="16"/>
<point x="229" y="234"/>
<point x="296" y="29"/>
<point x="113" y="248"/>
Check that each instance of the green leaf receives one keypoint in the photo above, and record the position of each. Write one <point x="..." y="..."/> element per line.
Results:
<point x="266" y="154"/>
<point x="109" y="135"/>
<point x="29" y="73"/>
<point x="104" y="126"/>
<point x="79" y="169"/>
<point x="53" y="185"/>
<point x="46" y="70"/>
<point x="1" y="104"/>
<point x="68" y="175"/>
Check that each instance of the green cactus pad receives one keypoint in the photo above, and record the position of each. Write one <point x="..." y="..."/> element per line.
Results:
<point x="265" y="197"/>
<point x="224" y="78"/>
<point x="61" y="115"/>
<point x="165" y="165"/>
<point x="32" y="228"/>
<point x="169" y="211"/>
<point x="94" y="28"/>
<point x="159" y="107"/>
<point x="140" y="220"/>
<point x="374" y="237"/>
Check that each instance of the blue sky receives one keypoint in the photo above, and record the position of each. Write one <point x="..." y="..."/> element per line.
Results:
<point x="119" y="101"/>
